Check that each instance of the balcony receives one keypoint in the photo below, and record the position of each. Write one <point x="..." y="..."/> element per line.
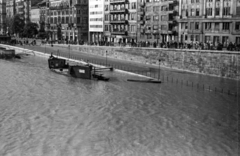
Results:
<point x="156" y="32"/>
<point x="122" y="10"/>
<point x="141" y="12"/>
<point x="116" y="21"/>
<point x="142" y="31"/>
<point x="119" y="32"/>
<point x="142" y="4"/>
<point x="142" y="22"/>
<point x="148" y="31"/>
<point x="118" y="1"/>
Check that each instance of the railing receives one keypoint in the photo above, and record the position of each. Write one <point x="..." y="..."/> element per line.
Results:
<point x="119" y="32"/>
<point x="122" y="10"/>
<point x="118" y="1"/>
<point x="118" y="21"/>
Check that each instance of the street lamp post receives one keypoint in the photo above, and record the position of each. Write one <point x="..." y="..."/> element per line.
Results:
<point x="106" y="57"/>
<point x="159" y="68"/>
<point x="68" y="51"/>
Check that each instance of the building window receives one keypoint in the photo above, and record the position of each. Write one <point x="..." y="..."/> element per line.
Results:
<point x="208" y="26"/>
<point x="237" y="26"/>
<point x="186" y="25"/>
<point x="148" y="18"/>
<point x="133" y="28"/>
<point x="164" y="8"/>
<point x="106" y="27"/>
<point x="197" y="25"/>
<point x="156" y="8"/>
<point x="149" y="9"/>
<point x="207" y="38"/>
<point x="155" y="27"/>
<point x="224" y="40"/>
<point x="192" y="25"/>
<point x="226" y="11"/>
<point x="226" y="25"/>
<point x="197" y="12"/>
<point x="216" y="28"/>
<point x="217" y="11"/>
<point x="133" y="16"/>
<point x="155" y="18"/>
<point x="192" y="12"/>
<point x="192" y="37"/>
<point x="133" y="5"/>
<point x="186" y="37"/>
<point x="163" y="27"/>
<point x="197" y="38"/>
<point x="216" y="39"/>
<point x="149" y="36"/>
<point x="238" y="40"/>
<point x="209" y="11"/>
<point x="106" y="18"/>
<point x="164" y="18"/>
<point x="106" y="8"/>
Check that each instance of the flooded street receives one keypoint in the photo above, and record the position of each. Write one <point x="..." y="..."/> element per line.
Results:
<point x="47" y="114"/>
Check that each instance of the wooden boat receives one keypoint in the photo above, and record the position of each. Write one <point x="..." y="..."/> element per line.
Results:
<point x="8" y="53"/>
<point x="78" y="71"/>
<point x="145" y="81"/>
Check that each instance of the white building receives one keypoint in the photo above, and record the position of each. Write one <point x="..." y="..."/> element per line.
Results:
<point x="35" y="15"/>
<point x="96" y="18"/>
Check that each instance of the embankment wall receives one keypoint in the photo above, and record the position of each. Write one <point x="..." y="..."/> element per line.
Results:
<point x="218" y="63"/>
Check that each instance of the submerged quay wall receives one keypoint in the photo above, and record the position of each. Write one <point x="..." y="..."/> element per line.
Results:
<point x="218" y="63"/>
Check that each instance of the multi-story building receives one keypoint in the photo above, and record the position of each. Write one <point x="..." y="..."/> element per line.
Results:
<point x="60" y="20"/>
<point x="10" y="8"/>
<point x="120" y="23"/>
<point x="68" y="17"/>
<point x="96" y="18"/>
<point x="23" y="8"/>
<point x="209" y="21"/>
<point x="81" y="21"/>
<point x="2" y="16"/>
<point x="35" y="15"/>
<point x="43" y="12"/>
<point x="157" y="21"/>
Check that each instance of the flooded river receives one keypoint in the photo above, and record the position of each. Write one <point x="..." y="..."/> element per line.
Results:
<point x="46" y="114"/>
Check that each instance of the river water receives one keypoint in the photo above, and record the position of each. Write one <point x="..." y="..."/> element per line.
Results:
<point x="46" y="114"/>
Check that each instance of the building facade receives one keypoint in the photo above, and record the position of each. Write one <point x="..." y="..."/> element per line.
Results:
<point x="157" y="21"/>
<point x="214" y="21"/>
<point x="3" y="17"/>
<point x="23" y="8"/>
<point x="43" y="6"/>
<point x="67" y="20"/>
<point x="81" y="22"/>
<point x="10" y="8"/>
<point x="120" y="21"/>
<point x="35" y="15"/>
<point x="96" y="18"/>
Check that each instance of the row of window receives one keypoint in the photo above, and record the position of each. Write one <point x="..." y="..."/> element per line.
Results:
<point x="213" y="39"/>
<point x="96" y="19"/>
<point x="157" y="8"/>
<point x="118" y="17"/>
<point x="96" y="12"/>
<point x="96" y="26"/>
<point x="66" y="20"/>
<point x="120" y="28"/>
<point x="210" y="26"/>
<point x="68" y="12"/>
<point x="132" y="5"/>
<point x="133" y="16"/>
